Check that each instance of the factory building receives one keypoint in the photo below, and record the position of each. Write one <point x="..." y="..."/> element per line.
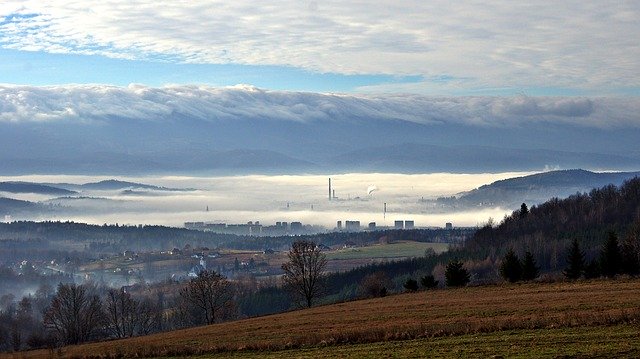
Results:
<point x="352" y="226"/>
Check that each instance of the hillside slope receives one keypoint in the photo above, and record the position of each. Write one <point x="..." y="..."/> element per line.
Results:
<point x="548" y="228"/>
<point x="538" y="188"/>
<point x="29" y="187"/>
<point x="454" y="312"/>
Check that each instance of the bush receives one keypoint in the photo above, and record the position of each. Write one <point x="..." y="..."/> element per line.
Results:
<point x="375" y="285"/>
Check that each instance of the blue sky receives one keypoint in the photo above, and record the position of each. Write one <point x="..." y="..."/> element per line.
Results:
<point x="41" y="69"/>
<point x="497" y="48"/>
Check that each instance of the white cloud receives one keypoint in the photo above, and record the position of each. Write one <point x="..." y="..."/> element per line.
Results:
<point x="79" y="103"/>
<point x="570" y="44"/>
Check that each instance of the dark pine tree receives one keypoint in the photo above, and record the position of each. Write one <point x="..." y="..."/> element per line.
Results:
<point x="530" y="270"/>
<point x="411" y="285"/>
<point x="429" y="282"/>
<point x="511" y="268"/>
<point x="630" y="260"/>
<point x="575" y="261"/>
<point x="455" y="274"/>
<point x="592" y="269"/>
<point x="524" y="210"/>
<point x="610" y="256"/>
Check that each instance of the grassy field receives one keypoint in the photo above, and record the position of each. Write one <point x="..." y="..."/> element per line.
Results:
<point x="620" y="341"/>
<point x="387" y="251"/>
<point x="587" y="319"/>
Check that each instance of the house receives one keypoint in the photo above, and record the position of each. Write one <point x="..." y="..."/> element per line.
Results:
<point x="323" y="247"/>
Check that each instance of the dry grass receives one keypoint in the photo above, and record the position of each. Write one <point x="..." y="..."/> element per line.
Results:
<point x="442" y="313"/>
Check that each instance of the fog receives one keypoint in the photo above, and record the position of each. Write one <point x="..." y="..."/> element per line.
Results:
<point x="264" y="198"/>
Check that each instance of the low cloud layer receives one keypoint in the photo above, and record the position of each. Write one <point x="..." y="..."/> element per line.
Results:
<point x="587" y="45"/>
<point x="87" y="103"/>
<point x="238" y="199"/>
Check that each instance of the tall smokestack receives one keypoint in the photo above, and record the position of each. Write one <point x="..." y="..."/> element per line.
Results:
<point x="329" y="188"/>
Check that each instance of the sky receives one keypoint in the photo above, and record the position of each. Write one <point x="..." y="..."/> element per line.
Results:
<point x="462" y="48"/>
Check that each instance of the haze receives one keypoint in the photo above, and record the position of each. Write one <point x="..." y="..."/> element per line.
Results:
<point x="239" y="199"/>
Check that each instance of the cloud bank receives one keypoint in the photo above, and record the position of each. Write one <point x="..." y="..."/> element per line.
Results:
<point x="572" y="44"/>
<point x="86" y="103"/>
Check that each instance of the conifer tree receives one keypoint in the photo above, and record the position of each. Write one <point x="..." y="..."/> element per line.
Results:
<point x="429" y="281"/>
<point x="630" y="258"/>
<point x="530" y="270"/>
<point x="610" y="256"/>
<point x="455" y="274"/>
<point x="524" y="210"/>
<point x="411" y="285"/>
<point x="592" y="269"/>
<point x="575" y="261"/>
<point x="511" y="268"/>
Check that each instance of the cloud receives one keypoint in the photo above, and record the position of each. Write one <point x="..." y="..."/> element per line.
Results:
<point x="86" y="103"/>
<point x="572" y="44"/>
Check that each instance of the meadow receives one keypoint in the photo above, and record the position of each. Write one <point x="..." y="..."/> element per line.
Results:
<point x="396" y="250"/>
<point x="586" y="318"/>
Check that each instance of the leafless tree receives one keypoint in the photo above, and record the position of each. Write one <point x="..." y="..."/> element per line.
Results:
<point x="149" y="316"/>
<point x="374" y="285"/>
<point x="304" y="271"/>
<point x="120" y="311"/>
<point x="75" y="314"/>
<point x="210" y="293"/>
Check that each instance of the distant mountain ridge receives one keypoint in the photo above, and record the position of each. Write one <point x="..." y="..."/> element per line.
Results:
<point x="540" y="187"/>
<point x="195" y="130"/>
<point x="113" y="184"/>
<point x="437" y="158"/>
<point x="10" y="206"/>
<point x="30" y="187"/>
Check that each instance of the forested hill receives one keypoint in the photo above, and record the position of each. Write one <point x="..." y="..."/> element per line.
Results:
<point x="539" y="187"/>
<point x="547" y="229"/>
<point x="28" y="187"/>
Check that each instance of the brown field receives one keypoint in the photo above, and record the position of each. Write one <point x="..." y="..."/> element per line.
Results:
<point x="533" y="311"/>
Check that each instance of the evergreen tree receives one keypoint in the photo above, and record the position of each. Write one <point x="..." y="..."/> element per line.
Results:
<point x="455" y="274"/>
<point x="411" y="285"/>
<point x="524" y="211"/>
<point x="630" y="260"/>
<point x="511" y="268"/>
<point x="575" y="261"/>
<point x="429" y="282"/>
<point x="592" y="269"/>
<point x="530" y="270"/>
<point x="610" y="256"/>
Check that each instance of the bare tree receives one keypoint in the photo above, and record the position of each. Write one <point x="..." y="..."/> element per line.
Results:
<point x="374" y="285"/>
<point x="304" y="271"/>
<point x="209" y="293"/>
<point x="148" y="316"/>
<point x="120" y="311"/>
<point x="75" y="314"/>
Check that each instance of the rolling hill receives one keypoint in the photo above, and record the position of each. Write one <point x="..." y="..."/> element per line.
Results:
<point x="435" y="323"/>
<point x="10" y="207"/>
<point x="30" y="187"/>
<point x="538" y="188"/>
